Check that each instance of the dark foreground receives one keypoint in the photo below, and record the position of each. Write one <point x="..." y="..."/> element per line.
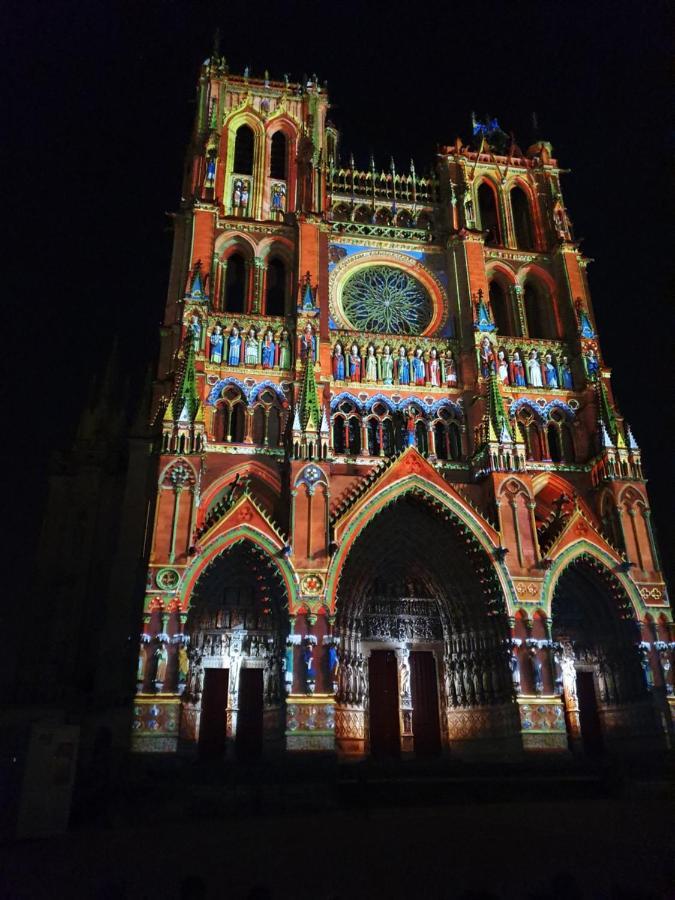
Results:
<point x="358" y="832"/>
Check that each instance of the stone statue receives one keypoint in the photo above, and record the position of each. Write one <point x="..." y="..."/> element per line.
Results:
<point x="402" y="367"/>
<point x="419" y="374"/>
<point x="142" y="662"/>
<point x="592" y="364"/>
<point x="269" y="350"/>
<point x="161" y="657"/>
<point x="285" y="357"/>
<point x="517" y="370"/>
<point x="278" y="197"/>
<point x="550" y="372"/>
<point x="404" y="681"/>
<point x="449" y="369"/>
<point x="234" y="347"/>
<point x="487" y="358"/>
<point x="308" y="343"/>
<point x="252" y="348"/>
<point x="370" y="364"/>
<point x="534" y="370"/>
<point x="217" y="342"/>
<point x="183" y="664"/>
<point x="566" y="380"/>
<point x="434" y="368"/>
<point x="387" y="365"/>
<point x="338" y="363"/>
<point x="354" y="364"/>
<point x="196" y="329"/>
<point x="502" y="367"/>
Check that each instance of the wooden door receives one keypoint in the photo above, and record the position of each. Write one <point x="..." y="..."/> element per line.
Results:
<point x="426" y="724"/>
<point x="591" y="731"/>
<point x="385" y="735"/>
<point x="212" y="725"/>
<point x="248" y="743"/>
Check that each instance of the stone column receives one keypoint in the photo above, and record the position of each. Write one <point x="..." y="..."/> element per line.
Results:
<point x="405" y="700"/>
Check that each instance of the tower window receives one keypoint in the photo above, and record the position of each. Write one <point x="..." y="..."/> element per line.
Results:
<point x="489" y="218"/>
<point x="278" y="156"/>
<point x="243" y="151"/>
<point x="275" y="295"/>
<point x="235" y="284"/>
<point x="499" y="303"/>
<point x="522" y="225"/>
<point x="540" y="315"/>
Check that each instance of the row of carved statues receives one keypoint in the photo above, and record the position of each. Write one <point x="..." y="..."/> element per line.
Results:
<point x="536" y="370"/>
<point x="388" y="366"/>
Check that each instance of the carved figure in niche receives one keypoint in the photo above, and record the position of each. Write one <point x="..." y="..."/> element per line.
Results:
<point x="268" y="350"/>
<point x="410" y="426"/>
<point x="217" y="342"/>
<point x="142" y="662"/>
<point x="308" y="660"/>
<point x="183" y="664"/>
<point x="550" y="373"/>
<point x="449" y="369"/>
<point x="161" y="657"/>
<point x="244" y="195"/>
<point x="333" y="665"/>
<point x="252" y="348"/>
<point x="502" y="368"/>
<point x="517" y="370"/>
<point x="566" y="374"/>
<point x="419" y="374"/>
<point x="370" y="364"/>
<point x="387" y="365"/>
<point x="196" y="329"/>
<point x="278" y="197"/>
<point x="402" y="367"/>
<point x="559" y="219"/>
<point x="585" y="327"/>
<point x="210" y="172"/>
<point x="487" y="358"/>
<point x="236" y="193"/>
<point x="404" y="682"/>
<point x="234" y="347"/>
<point x="362" y="681"/>
<point x="434" y="368"/>
<point x="354" y="364"/>
<point x="468" y="206"/>
<point x="285" y="357"/>
<point x="592" y="364"/>
<point x="338" y="363"/>
<point x="308" y="343"/>
<point x="534" y="370"/>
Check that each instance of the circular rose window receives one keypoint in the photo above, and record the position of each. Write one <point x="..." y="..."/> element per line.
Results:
<point x="386" y="299"/>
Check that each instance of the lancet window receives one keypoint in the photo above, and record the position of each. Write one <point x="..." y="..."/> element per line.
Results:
<point x="540" y="312"/>
<point x="235" y="284"/>
<point x="559" y="434"/>
<point x="229" y="422"/>
<point x="275" y="287"/>
<point x="502" y="310"/>
<point x="489" y="216"/>
<point x="529" y="426"/>
<point x="278" y="156"/>
<point x="522" y="219"/>
<point x="267" y="422"/>
<point x="244" y="145"/>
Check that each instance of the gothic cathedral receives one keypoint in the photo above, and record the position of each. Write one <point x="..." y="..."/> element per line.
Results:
<point x="397" y="510"/>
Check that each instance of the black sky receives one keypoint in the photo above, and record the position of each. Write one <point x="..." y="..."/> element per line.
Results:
<point x="99" y="102"/>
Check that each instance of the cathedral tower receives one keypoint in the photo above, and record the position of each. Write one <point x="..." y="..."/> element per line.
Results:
<point x="398" y="510"/>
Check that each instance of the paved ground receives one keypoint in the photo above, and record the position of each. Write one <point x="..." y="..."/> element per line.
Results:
<point x="418" y="838"/>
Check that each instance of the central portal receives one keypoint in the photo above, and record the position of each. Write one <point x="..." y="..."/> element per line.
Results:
<point x="425" y="720"/>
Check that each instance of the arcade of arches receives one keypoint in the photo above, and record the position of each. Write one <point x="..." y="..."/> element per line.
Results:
<point x="421" y="657"/>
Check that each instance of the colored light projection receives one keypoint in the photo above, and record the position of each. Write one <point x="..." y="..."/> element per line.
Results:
<point x="386" y="299"/>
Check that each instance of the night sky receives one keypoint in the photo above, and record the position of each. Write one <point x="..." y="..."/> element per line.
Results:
<point x="99" y="102"/>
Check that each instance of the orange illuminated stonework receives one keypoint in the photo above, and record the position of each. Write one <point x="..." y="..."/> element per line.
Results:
<point x="398" y="510"/>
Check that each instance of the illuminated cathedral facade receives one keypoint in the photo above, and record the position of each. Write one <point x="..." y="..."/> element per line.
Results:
<point x="397" y="510"/>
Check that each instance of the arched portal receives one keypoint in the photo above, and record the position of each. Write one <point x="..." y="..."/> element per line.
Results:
<point x="422" y="630"/>
<point x="599" y="668"/>
<point x="236" y="627"/>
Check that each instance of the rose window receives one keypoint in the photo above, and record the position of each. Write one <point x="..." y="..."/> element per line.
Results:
<point x="386" y="299"/>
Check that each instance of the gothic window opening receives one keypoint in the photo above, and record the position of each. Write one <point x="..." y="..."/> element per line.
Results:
<point x="235" y="284"/>
<point x="278" y="155"/>
<point x="421" y="438"/>
<point x="541" y="322"/>
<point x="267" y="421"/>
<point x="501" y="308"/>
<point x="530" y="433"/>
<point x="275" y="293"/>
<point x="489" y="217"/>
<point x="244" y="145"/>
<point x="229" y="424"/>
<point x="522" y="223"/>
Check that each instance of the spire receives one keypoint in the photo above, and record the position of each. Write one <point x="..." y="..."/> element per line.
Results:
<point x="310" y="411"/>
<point x="483" y="319"/>
<point x="499" y="429"/>
<point x="604" y="436"/>
<point x="606" y="411"/>
<point x="632" y="443"/>
<point x="186" y="400"/>
<point x="197" y="285"/>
